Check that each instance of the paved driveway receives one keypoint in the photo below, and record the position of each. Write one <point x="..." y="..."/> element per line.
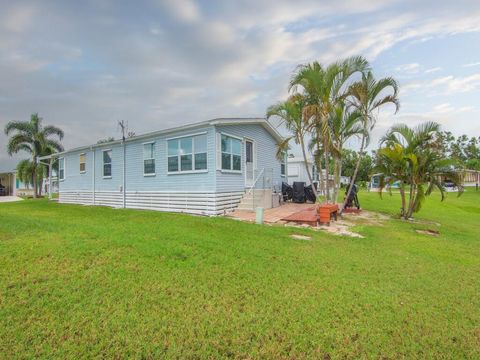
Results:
<point x="9" y="198"/>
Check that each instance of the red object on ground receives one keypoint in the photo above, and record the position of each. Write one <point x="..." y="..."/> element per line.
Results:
<point x="308" y="216"/>
<point x="326" y="211"/>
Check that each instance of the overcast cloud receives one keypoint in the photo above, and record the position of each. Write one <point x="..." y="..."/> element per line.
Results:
<point x="84" y="65"/>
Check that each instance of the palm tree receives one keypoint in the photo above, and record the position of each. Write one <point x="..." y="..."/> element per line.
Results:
<point x="323" y="88"/>
<point x="345" y="125"/>
<point x="291" y="114"/>
<point x="32" y="137"/>
<point x="410" y="156"/>
<point x="367" y="96"/>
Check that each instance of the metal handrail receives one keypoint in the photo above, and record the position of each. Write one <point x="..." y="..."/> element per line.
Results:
<point x="255" y="181"/>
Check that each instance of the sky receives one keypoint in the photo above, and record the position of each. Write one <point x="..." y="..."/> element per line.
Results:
<point x="85" y="65"/>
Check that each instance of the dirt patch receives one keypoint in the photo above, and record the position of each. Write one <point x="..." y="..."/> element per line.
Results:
<point x="428" y="232"/>
<point x="341" y="228"/>
<point x="367" y="217"/>
<point x="301" y="237"/>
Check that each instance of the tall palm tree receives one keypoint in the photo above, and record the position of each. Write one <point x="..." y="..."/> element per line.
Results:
<point x="367" y="96"/>
<point x="410" y="156"/>
<point x="32" y="137"/>
<point x="290" y="113"/>
<point x="323" y="88"/>
<point x="345" y="125"/>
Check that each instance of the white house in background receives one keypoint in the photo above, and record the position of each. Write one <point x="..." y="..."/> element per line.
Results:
<point x="297" y="172"/>
<point x="8" y="183"/>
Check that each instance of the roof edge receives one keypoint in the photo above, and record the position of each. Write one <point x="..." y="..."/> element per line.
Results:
<point x="212" y="122"/>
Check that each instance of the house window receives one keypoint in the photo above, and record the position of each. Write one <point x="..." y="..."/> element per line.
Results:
<point x="61" y="168"/>
<point x="283" y="164"/>
<point x="149" y="159"/>
<point x="231" y="153"/>
<point x="187" y="154"/>
<point x="82" y="163"/>
<point x="107" y="163"/>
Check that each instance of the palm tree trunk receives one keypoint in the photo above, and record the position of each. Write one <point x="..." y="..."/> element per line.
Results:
<point x="34" y="177"/>
<point x="334" y="190"/>
<point x="411" y="201"/>
<point x="402" y="195"/>
<point x="327" y="173"/>
<point x="355" y="172"/>
<point x="338" y="176"/>
<point x="318" y="164"/>
<point x="305" y="160"/>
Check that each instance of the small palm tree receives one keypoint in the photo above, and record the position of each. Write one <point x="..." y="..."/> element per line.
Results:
<point x="410" y="157"/>
<point x="367" y="96"/>
<point x="32" y="137"/>
<point x="290" y="113"/>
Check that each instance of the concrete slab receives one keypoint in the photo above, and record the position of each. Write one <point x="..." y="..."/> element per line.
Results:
<point x="9" y="199"/>
<point x="274" y="215"/>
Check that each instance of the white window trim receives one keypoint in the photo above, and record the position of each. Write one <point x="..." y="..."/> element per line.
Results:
<point x="187" y="172"/>
<point x="103" y="165"/>
<point x="285" y="162"/>
<point x="241" y="155"/>
<point x="155" y="160"/>
<point x="84" y="171"/>
<point x="193" y="171"/>
<point x="64" y="172"/>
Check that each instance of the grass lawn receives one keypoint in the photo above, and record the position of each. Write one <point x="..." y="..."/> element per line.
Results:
<point x="81" y="282"/>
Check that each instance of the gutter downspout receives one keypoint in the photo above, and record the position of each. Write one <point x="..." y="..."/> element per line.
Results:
<point x="50" y="179"/>
<point x="93" y="175"/>
<point x="124" y="173"/>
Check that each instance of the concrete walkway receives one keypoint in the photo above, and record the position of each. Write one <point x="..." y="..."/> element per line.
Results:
<point x="274" y="215"/>
<point x="9" y="199"/>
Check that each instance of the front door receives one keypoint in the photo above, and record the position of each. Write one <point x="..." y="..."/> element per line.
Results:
<point x="249" y="163"/>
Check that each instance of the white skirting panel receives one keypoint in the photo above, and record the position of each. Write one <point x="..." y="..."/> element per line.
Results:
<point x="188" y="202"/>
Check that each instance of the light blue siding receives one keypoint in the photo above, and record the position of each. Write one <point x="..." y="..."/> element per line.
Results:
<point x="265" y="153"/>
<point x="74" y="180"/>
<point x="162" y="181"/>
<point x="135" y="179"/>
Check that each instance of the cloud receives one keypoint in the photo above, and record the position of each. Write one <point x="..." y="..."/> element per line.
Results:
<point x="184" y="10"/>
<point x="433" y="70"/>
<point x="19" y="18"/>
<point x="163" y="63"/>
<point x="472" y="64"/>
<point x="409" y="68"/>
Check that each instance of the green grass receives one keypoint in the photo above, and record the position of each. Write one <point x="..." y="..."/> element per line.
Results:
<point x="83" y="282"/>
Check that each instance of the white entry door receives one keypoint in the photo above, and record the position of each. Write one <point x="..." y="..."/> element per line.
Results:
<point x="249" y="163"/>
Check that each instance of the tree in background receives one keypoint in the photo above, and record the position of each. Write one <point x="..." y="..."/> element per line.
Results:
<point x="37" y="140"/>
<point x="349" y="163"/>
<point x="462" y="148"/>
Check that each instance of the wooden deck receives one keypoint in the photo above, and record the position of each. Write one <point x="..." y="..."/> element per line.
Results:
<point x="274" y="215"/>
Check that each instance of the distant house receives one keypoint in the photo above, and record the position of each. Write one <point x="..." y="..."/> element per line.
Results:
<point x="10" y="185"/>
<point x="297" y="172"/>
<point x="203" y="168"/>
<point x="7" y="183"/>
<point x="470" y="178"/>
